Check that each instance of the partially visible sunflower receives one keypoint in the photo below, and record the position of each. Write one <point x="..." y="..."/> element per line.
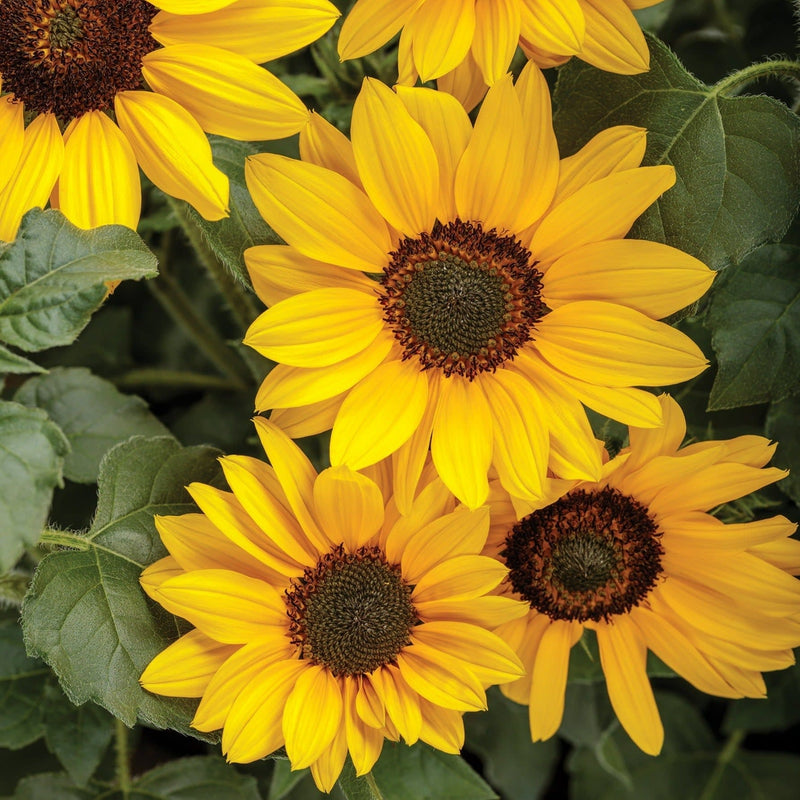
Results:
<point x="503" y="293"/>
<point x="637" y="558"/>
<point x="439" y="36"/>
<point x="325" y="620"/>
<point x="80" y="66"/>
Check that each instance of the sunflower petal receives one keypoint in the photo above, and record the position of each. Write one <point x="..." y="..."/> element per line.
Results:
<point x="371" y="23"/>
<point x="614" y="41"/>
<point x="443" y="33"/>
<point x="497" y="26"/>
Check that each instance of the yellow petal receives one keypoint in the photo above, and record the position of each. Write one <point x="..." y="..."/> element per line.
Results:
<point x="173" y="151"/>
<point x="442" y="728"/>
<point x="521" y="441"/>
<point x="185" y="668"/>
<point x="289" y="387"/>
<point x="623" y="656"/>
<point x="349" y="506"/>
<point x="541" y="149"/>
<point x="614" y="40"/>
<point x="154" y="575"/>
<point x="190" y="6"/>
<point x="31" y="181"/>
<point x="549" y="678"/>
<point x="99" y="182"/>
<point x="326" y="769"/>
<point x="395" y="159"/>
<point x="227" y="606"/>
<point x="605" y="209"/>
<point x="319" y="212"/>
<point x="400" y="701"/>
<point x="487" y="612"/>
<point x="497" y="26"/>
<point x="443" y="32"/>
<point x="459" y="578"/>
<point x="12" y="135"/>
<point x="379" y="414"/>
<point x="784" y="555"/>
<point x="312" y="715"/>
<point x="554" y="26"/>
<point x="448" y="128"/>
<point x="317" y="328"/>
<point x="647" y="444"/>
<point x="705" y="531"/>
<point x="465" y="83"/>
<point x="612" y="345"/>
<point x="653" y="278"/>
<point x="463" y="440"/>
<point x="612" y="150"/>
<point x="257" y="30"/>
<point x="307" y="420"/>
<point x="363" y="741"/>
<point x="371" y="23"/>
<point x="326" y="146"/>
<point x="225" y="92"/>
<point x="489" y="175"/>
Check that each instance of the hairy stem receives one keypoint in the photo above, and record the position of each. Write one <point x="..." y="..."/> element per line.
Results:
<point x="780" y="68"/>
<point x="726" y="755"/>
<point x="123" y="758"/>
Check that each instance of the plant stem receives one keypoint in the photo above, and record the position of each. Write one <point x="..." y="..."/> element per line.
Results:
<point x="167" y="291"/>
<point x="123" y="762"/>
<point x="373" y="786"/>
<point x="149" y="377"/>
<point x="57" y="538"/>
<point x="726" y="755"/>
<point x="780" y="68"/>
<point x="239" y="301"/>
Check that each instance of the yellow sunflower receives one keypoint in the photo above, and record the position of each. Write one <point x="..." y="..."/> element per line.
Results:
<point x="326" y="621"/>
<point x="439" y="36"/>
<point x="637" y="558"/>
<point x="502" y="297"/>
<point x="78" y="69"/>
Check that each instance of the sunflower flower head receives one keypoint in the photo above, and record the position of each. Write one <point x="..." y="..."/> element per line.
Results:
<point x="79" y="68"/>
<point x="460" y="40"/>
<point x="637" y="558"/>
<point x="461" y="287"/>
<point x="325" y="620"/>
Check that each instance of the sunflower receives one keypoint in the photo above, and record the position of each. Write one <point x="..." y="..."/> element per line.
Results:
<point x="325" y="621"/>
<point x="637" y="558"/>
<point x="502" y="293"/>
<point x="79" y="66"/>
<point x="439" y="36"/>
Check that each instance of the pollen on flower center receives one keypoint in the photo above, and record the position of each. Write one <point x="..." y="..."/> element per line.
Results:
<point x="587" y="556"/>
<point x="352" y="612"/>
<point x="461" y="299"/>
<point x="73" y="56"/>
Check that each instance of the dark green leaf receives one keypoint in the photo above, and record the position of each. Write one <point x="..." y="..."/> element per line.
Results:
<point x="738" y="180"/>
<point x="93" y="415"/>
<point x="244" y="228"/>
<point x="52" y="277"/>
<point x="22" y="689"/>
<point x="754" y="318"/>
<point x="782" y="427"/>
<point x="420" y="772"/>
<point x="32" y="451"/>
<point x="13" y="362"/>
<point x="79" y="737"/>
<point x="85" y="613"/>
<point x="516" y="767"/>
<point x="209" y="778"/>
<point x="56" y="786"/>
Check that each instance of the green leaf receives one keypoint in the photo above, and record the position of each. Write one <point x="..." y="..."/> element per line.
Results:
<point x="420" y="772"/>
<point x="754" y="317"/>
<point x="13" y="362"/>
<point x="52" y="277"/>
<point x="93" y="415"/>
<point x="54" y="785"/>
<point x="781" y="426"/>
<point x="85" y="613"/>
<point x="78" y="736"/>
<point x="736" y="157"/>
<point x="23" y="682"/>
<point x="230" y="237"/>
<point x="516" y="767"/>
<point x="32" y="451"/>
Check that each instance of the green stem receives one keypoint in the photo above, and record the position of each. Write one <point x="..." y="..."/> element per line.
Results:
<point x="780" y="68"/>
<point x="57" y="538"/>
<point x="149" y="377"/>
<point x="123" y="758"/>
<point x="369" y="779"/>
<point x="169" y="294"/>
<point x="726" y="755"/>
<point x="240" y="303"/>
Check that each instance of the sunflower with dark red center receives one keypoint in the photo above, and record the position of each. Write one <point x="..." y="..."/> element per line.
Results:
<point x="80" y="68"/>
<point x="499" y="293"/>
<point x="325" y="621"/>
<point x="637" y="558"/>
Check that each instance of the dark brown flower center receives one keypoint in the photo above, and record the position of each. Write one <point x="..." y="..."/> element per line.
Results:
<point x="587" y="556"/>
<point x="352" y="612"/>
<point x="73" y="56"/>
<point x="460" y="298"/>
